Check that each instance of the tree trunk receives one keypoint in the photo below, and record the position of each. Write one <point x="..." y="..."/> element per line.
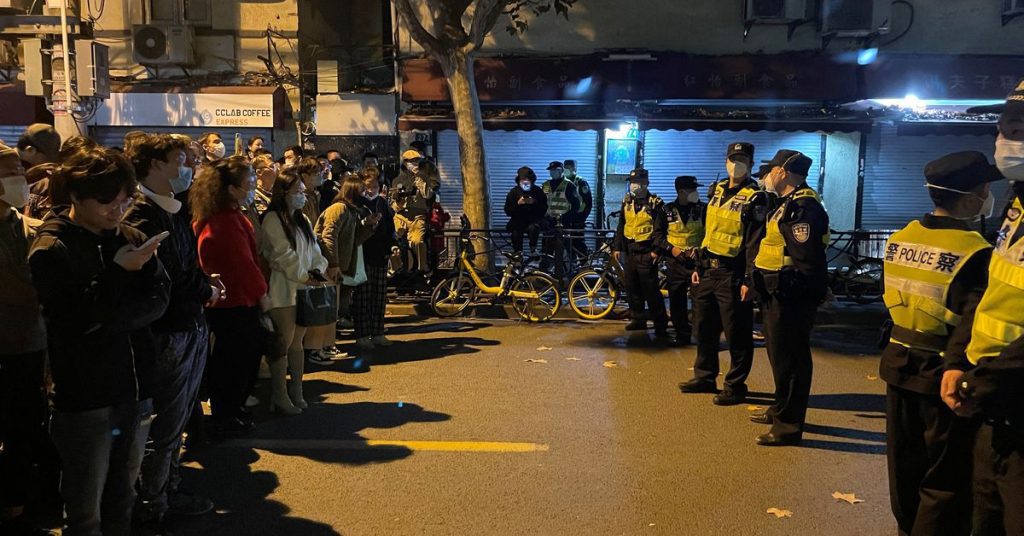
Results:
<point x="458" y="70"/>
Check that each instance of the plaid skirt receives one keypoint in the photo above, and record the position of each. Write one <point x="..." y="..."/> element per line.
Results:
<point x="369" y="301"/>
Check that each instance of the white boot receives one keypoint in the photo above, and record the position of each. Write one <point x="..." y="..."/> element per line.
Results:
<point x="279" y="401"/>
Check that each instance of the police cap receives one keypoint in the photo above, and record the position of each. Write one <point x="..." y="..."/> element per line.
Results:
<point x="638" y="174"/>
<point x="686" y="181"/>
<point x="554" y="165"/>
<point x="792" y="161"/>
<point x="740" y="148"/>
<point x="963" y="171"/>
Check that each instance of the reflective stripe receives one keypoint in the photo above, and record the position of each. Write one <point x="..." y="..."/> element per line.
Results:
<point x="558" y="203"/>
<point x="1006" y="271"/>
<point x="639" y="226"/>
<point x="771" y="255"/>
<point x="919" y="288"/>
<point x="724" y="227"/>
<point x="688" y="235"/>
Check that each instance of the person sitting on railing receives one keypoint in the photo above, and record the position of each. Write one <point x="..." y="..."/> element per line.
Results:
<point x="525" y="206"/>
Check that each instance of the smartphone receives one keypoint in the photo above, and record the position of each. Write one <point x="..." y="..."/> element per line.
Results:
<point x="156" y="239"/>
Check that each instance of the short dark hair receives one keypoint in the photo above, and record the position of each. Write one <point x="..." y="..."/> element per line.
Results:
<point x="261" y="152"/>
<point x="74" y="144"/>
<point x="944" y="199"/>
<point x="153" y="147"/>
<point x="308" y="164"/>
<point x="296" y="150"/>
<point x="95" y="173"/>
<point x="41" y="136"/>
<point x="370" y="155"/>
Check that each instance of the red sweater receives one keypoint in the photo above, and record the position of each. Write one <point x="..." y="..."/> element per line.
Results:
<point x="227" y="246"/>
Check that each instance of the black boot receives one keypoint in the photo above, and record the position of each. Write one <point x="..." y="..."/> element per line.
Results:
<point x="637" y="324"/>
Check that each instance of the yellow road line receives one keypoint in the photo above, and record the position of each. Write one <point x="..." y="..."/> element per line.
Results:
<point x="357" y="444"/>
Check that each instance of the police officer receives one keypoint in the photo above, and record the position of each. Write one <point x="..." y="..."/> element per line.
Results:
<point x="641" y="228"/>
<point x="935" y="269"/>
<point x="685" y="220"/>
<point x="579" y="219"/>
<point x="723" y="298"/>
<point x="563" y="203"/>
<point x="994" y="386"/>
<point x="791" y="275"/>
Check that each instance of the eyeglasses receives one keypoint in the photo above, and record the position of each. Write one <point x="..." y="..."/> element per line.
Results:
<point x="116" y="208"/>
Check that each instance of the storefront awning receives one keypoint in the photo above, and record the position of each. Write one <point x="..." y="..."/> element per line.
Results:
<point x="214" y="107"/>
<point x="609" y="78"/>
<point x="946" y="128"/>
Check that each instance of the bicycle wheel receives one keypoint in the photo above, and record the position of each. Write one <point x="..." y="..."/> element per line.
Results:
<point x="452" y="296"/>
<point x="547" y="303"/>
<point x="864" y="282"/>
<point x="592" y="296"/>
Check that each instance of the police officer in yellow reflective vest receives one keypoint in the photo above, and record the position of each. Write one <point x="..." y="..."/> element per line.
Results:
<point x="685" y="232"/>
<point x="722" y="299"/>
<point x="994" y="387"/>
<point x="641" y="228"/>
<point x="791" y="277"/>
<point x="563" y="204"/>
<point x="935" y="270"/>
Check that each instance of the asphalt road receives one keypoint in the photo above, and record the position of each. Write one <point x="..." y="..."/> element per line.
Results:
<point x="455" y="432"/>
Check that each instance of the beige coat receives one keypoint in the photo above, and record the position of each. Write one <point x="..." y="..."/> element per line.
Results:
<point x="341" y="229"/>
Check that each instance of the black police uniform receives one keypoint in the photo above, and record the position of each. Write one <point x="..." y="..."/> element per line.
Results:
<point x="717" y="305"/>
<point x="789" y="300"/>
<point x="641" y="270"/>
<point x="680" y="269"/>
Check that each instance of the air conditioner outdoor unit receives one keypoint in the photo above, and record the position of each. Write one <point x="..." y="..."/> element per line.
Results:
<point x="778" y="11"/>
<point x="163" y="44"/>
<point x="853" y="18"/>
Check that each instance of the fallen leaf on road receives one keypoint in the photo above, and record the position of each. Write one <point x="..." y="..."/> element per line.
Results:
<point x="691" y="368"/>
<point x="536" y="360"/>
<point x="754" y="408"/>
<point x="848" y="497"/>
<point x="543" y="349"/>
<point x="872" y="378"/>
<point x="779" y="513"/>
<point x="572" y="359"/>
<point x="610" y="364"/>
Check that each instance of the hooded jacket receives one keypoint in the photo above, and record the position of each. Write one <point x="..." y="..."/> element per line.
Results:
<point x="97" y="314"/>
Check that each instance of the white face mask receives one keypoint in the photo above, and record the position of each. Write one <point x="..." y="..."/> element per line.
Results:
<point x="736" y="169"/>
<point x="987" y="206"/>
<point x="637" y="189"/>
<point x="768" y="185"/>
<point x="183" y="181"/>
<point x="693" y="197"/>
<point x="15" y="191"/>
<point x="1010" y="158"/>
<point x="217" y="150"/>
<point x="372" y="196"/>
<point x="296" y="201"/>
<point x="526" y="186"/>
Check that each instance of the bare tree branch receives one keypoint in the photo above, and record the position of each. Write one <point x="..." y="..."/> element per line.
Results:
<point x="484" y="19"/>
<point x="430" y="43"/>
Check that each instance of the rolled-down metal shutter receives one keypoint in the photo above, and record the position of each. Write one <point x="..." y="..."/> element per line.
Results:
<point x="894" y="191"/>
<point x="670" y="153"/>
<point x="114" y="136"/>
<point x="10" y="134"/>
<point x="506" y="152"/>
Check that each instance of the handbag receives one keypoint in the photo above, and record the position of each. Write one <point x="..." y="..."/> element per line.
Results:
<point x="316" y="306"/>
<point x="360" y="276"/>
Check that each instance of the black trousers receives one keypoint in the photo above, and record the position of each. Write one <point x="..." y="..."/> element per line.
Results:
<point x="642" y="292"/>
<point x="578" y="244"/>
<point x="717" y="308"/>
<point x="235" y="360"/>
<point x="554" y="245"/>
<point x="998" y="483"/>
<point x="532" y="230"/>
<point x="678" y="280"/>
<point x="787" y="333"/>
<point x="928" y="450"/>
<point x="23" y="416"/>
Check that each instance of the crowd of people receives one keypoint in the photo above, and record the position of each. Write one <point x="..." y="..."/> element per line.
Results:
<point x="137" y="282"/>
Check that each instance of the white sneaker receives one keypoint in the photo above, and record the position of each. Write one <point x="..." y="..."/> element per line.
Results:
<point x="252" y="402"/>
<point x="381" y="340"/>
<point x="366" y="343"/>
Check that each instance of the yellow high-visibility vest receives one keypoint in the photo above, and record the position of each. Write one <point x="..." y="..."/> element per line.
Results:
<point x="639" y="225"/>
<point x="998" y="320"/>
<point x="771" y="255"/>
<point x="724" y="227"/>
<point x="685" y="235"/>
<point x="558" y="202"/>
<point x="920" y="264"/>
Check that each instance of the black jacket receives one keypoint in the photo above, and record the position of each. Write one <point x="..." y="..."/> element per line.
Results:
<point x="97" y="314"/>
<point x="522" y="215"/>
<point x="656" y="208"/>
<point x="377" y="249"/>
<point x="190" y="287"/>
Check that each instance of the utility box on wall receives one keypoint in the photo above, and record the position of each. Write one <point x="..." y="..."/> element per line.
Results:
<point x="92" y="66"/>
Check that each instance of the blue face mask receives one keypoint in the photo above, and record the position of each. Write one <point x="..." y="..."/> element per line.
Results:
<point x="183" y="181"/>
<point x="250" y="197"/>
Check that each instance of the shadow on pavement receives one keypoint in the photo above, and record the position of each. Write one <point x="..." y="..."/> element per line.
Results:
<point x="843" y="446"/>
<point x="847" y="340"/>
<point x="440" y="327"/>
<point x="424" y="349"/>
<point x="325" y="433"/>
<point x="845" y="433"/>
<point x="848" y="402"/>
<point x="634" y="340"/>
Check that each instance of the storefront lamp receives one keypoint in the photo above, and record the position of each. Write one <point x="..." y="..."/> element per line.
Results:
<point x="867" y="56"/>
